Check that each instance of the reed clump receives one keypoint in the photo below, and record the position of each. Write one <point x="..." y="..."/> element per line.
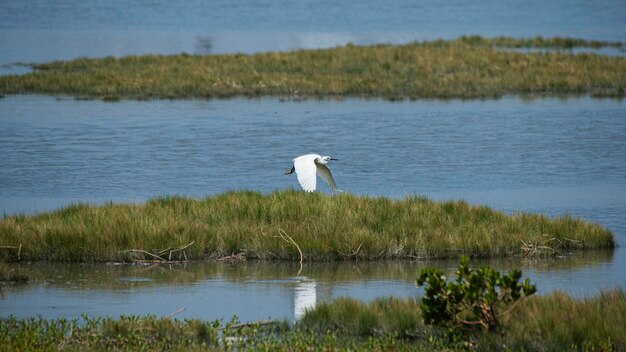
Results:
<point x="288" y="225"/>
<point x="469" y="67"/>
<point x="558" y="322"/>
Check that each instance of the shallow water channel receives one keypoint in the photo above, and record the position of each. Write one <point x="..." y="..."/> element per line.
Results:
<point x="546" y="155"/>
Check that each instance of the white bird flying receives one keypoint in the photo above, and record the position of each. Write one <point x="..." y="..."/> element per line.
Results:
<point x="308" y="167"/>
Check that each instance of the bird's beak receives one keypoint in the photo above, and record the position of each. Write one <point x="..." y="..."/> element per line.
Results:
<point x="293" y="168"/>
<point x="333" y="159"/>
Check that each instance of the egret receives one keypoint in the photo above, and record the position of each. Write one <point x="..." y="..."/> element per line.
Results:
<point x="308" y="167"/>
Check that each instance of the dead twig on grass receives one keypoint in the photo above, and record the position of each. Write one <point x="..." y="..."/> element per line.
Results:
<point x="530" y="249"/>
<point x="180" y="310"/>
<point x="252" y="323"/>
<point x="347" y="255"/>
<point x="144" y="252"/>
<point x="170" y="251"/>
<point x="285" y="237"/>
<point x="357" y="251"/>
<point x="241" y="256"/>
<point x="158" y="257"/>
<point x="578" y="243"/>
<point x="534" y="248"/>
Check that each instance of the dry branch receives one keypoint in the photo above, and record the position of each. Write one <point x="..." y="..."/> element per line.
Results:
<point x="533" y="248"/>
<point x="288" y="239"/>
<point x="174" y="250"/>
<point x="252" y="323"/>
<point x="180" y="310"/>
<point x="144" y="252"/>
<point x="159" y="256"/>
<point x="353" y="252"/>
<point x="233" y="257"/>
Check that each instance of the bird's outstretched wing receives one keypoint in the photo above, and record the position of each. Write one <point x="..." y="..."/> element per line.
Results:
<point x="305" y="170"/>
<point x="324" y="172"/>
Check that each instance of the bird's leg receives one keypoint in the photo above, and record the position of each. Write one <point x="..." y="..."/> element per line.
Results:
<point x="293" y="168"/>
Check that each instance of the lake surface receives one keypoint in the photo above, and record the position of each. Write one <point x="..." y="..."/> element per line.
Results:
<point x="65" y="29"/>
<point x="546" y="155"/>
<point x="551" y="156"/>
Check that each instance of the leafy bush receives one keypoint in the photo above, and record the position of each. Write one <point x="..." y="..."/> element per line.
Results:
<point x="476" y="298"/>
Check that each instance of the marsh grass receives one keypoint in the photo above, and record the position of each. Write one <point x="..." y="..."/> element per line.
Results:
<point x="555" y="322"/>
<point x="558" y="322"/>
<point x="383" y="316"/>
<point x="469" y="67"/>
<point x="325" y="227"/>
<point x="123" y="334"/>
<point x="149" y="333"/>
<point x="539" y="42"/>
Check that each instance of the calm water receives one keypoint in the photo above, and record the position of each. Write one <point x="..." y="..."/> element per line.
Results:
<point x="37" y="31"/>
<point x="548" y="155"/>
<point x="252" y="290"/>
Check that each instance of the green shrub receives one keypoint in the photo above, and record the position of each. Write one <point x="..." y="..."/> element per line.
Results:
<point x="475" y="298"/>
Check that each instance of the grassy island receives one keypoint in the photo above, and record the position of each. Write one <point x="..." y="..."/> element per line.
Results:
<point x="289" y="225"/>
<point x="469" y="67"/>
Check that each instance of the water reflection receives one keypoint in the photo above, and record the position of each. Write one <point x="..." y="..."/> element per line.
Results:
<point x="260" y="290"/>
<point x="112" y="277"/>
<point x="204" y="45"/>
<point x="304" y="296"/>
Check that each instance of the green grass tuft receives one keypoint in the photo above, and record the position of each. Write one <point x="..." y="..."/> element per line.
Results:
<point x="279" y="225"/>
<point x="400" y="317"/>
